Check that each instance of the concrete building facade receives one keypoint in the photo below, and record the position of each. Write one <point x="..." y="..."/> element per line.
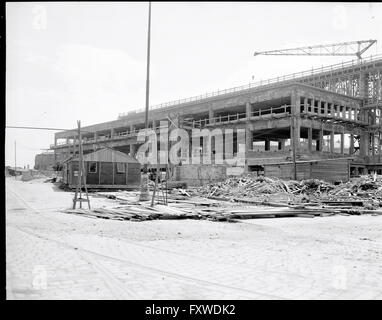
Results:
<point x="329" y="114"/>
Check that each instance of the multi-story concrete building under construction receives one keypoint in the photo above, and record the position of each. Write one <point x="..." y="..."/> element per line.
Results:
<point x="323" y="123"/>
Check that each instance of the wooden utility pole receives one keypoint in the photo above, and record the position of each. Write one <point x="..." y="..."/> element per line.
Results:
<point x="144" y="195"/>
<point x="81" y="178"/>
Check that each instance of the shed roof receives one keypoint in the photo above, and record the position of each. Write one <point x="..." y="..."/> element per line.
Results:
<point x="107" y="155"/>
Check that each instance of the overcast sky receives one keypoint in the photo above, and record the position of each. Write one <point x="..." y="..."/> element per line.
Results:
<point x="87" y="61"/>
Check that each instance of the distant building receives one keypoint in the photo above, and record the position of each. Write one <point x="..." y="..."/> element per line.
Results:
<point x="46" y="161"/>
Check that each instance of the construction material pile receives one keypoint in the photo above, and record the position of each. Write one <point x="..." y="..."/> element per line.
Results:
<point x="252" y="187"/>
<point x="291" y="191"/>
<point x="247" y="197"/>
<point x="363" y="187"/>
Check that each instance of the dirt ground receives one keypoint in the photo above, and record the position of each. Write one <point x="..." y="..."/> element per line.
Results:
<point x="54" y="255"/>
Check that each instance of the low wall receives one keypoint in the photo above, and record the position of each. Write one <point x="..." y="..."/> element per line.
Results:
<point x="331" y="170"/>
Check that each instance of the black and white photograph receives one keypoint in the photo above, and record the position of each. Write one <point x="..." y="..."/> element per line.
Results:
<point x="167" y="151"/>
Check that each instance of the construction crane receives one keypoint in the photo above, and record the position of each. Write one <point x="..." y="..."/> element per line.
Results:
<point x="352" y="48"/>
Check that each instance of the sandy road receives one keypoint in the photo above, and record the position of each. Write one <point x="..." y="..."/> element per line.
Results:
<point x="84" y="258"/>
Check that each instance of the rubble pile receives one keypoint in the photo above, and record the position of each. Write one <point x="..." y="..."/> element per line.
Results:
<point x="363" y="187"/>
<point x="250" y="186"/>
<point x="366" y="188"/>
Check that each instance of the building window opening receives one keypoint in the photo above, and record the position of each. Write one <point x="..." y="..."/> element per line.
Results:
<point x="120" y="167"/>
<point x="93" y="167"/>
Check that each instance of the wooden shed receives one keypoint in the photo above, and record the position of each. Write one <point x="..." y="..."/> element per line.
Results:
<point x="105" y="168"/>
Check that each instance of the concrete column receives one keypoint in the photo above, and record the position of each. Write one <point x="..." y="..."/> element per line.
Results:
<point x="112" y="132"/>
<point x="364" y="144"/>
<point x="312" y="105"/>
<point x="295" y="137"/>
<point x="342" y="142"/>
<point x="373" y="146"/>
<point x="351" y="148"/>
<point x="295" y="102"/>
<point x="332" y="141"/>
<point x="267" y="144"/>
<point x="248" y="138"/>
<point x="305" y="105"/>
<point x="248" y="144"/>
<point x="295" y="123"/>
<point x="319" y="107"/>
<point x="332" y="109"/>
<point x="295" y="134"/>
<point x="281" y="145"/>
<point x="248" y="110"/>
<point x="310" y="134"/>
<point x="132" y="128"/>
<point x="321" y="140"/>
<point x="211" y="114"/>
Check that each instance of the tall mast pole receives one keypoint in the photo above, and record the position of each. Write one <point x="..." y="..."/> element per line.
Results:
<point x="144" y="195"/>
<point x="148" y="71"/>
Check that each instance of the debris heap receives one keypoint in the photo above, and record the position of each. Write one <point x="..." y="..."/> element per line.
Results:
<point x="365" y="188"/>
<point x="249" y="197"/>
